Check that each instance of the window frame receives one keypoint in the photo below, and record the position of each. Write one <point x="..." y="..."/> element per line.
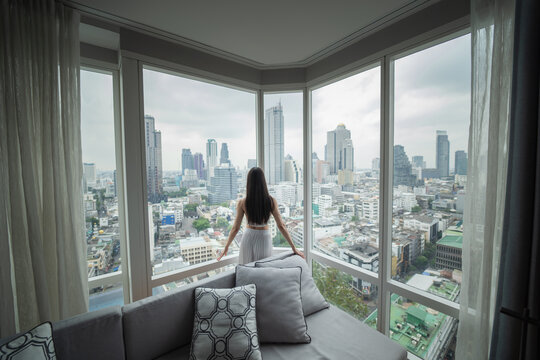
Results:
<point x="121" y="276"/>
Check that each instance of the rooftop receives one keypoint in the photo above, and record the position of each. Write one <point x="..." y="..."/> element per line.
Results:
<point x="452" y="240"/>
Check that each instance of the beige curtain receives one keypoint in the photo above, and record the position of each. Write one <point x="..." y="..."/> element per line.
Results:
<point x="492" y="25"/>
<point x="42" y="246"/>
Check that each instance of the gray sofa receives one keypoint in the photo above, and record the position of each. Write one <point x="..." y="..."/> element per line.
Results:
<point x="160" y="327"/>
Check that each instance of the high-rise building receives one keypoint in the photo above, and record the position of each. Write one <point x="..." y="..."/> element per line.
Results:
<point x="251" y="163"/>
<point x="402" y="168"/>
<point x="292" y="171"/>
<point x="461" y="163"/>
<point x="187" y="160"/>
<point x="338" y="152"/>
<point x="443" y="153"/>
<point x="273" y="144"/>
<point x="198" y="164"/>
<point x="418" y="162"/>
<point x="376" y="164"/>
<point x="348" y="155"/>
<point x="154" y="170"/>
<point x="223" y="185"/>
<point x="211" y="157"/>
<point x="224" y="158"/>
<point x="89" y="171"/>
<point x="322" y="171"/>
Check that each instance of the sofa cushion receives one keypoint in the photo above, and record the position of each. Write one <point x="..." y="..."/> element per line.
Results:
<point x="334" y="335"/>
<point x="279" y="306"/>
<point x="225" y="324"/>
<point x="93" y="335"/>
<point x="159" y="324"/>
<point x="36" y="344"/>
<point x="312" y="300"/>
<point x="337" y="335"/>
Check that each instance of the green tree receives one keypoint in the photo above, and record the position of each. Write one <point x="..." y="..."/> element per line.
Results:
<point x="421" y="262"/>
<point x="430" y="250"/>
<point x="336" y="288"/>
<point x="224" y="204"/>
<point x="416" y="209"/>
<point x="354" y="218"/>
<point x="190" y="209"/>
<point x="222" y="223"/>
<point x="173" y="194"/>
<point x="279" y="240"/>
<point x="201" y="224"/>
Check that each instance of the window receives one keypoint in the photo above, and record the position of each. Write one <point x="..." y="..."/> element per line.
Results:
<point x="417" y="217"/>
<point x="283" y="161"/>
<point x="200" y="141"/>
<point x="101" y="186"/>
<point x="431" y="133"/>
<point x="345" y="168"/>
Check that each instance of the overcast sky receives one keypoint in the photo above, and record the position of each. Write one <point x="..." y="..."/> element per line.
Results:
<point x="432" y="92"/>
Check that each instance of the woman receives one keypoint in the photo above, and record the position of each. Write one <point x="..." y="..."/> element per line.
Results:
<point x="257" y="205"/>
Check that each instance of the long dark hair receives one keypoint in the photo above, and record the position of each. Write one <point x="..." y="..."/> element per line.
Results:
<point x="259" y="204"/>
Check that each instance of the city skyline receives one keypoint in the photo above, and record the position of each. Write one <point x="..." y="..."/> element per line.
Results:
<point x="188" y="112"/>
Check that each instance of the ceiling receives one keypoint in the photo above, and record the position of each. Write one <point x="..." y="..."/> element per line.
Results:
<point x="261" y="33"/>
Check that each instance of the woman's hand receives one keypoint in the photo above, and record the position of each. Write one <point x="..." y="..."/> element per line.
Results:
<point x="299" y="253"/>
<point x="223" y="253"/>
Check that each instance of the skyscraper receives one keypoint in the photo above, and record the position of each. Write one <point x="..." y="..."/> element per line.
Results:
<point x="273" y="144"/>
<point x="443" y="153"/>
<point x="223" y="185"/>
<point x="211" y="157"/>
<point x="337" y="149"/>
<point x="348" y="155"/>
<point x="224" y="159"/>
<point x="187" y="160"/>
<point x="154" y="170"/>
<point x="402" y="168"/>
<point x="89" y="172"/>
<point x="418" y="162"/>
<point x="461" y="163"/>
<point x="376" y="164"/>
<point x="198" y="164"/>
<point x="292" y="171"/>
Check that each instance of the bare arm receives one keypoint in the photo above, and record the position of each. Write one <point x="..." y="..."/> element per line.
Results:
<point x="235" y="227"/>
<point x="283" y="229"/>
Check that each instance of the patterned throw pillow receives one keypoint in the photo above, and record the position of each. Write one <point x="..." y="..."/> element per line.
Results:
<point x="225" y="325"/>
<point x="36" y="344"/>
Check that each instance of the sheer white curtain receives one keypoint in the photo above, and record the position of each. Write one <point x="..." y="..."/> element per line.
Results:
<point x="492" y="24"/>
<point x="42" y="248"/>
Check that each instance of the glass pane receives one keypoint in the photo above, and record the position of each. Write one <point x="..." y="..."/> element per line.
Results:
<point x="176" y="284"/>
<point x="283" y="159"/>
<point x="100" y="196"/>
<point x="200" y="143"/>
<point x="105" y="296"/>
<point x="345" y="165"/>
<point x="352" y="295"/>
<point x="431" y="132"/>
<point x="423" y="331"/>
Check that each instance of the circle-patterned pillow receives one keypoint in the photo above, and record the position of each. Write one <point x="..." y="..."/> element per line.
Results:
<point x="225" y="326"/>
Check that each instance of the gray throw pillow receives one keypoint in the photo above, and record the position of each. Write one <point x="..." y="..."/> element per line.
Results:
<point x="312" y="299"/>
<point x="280" y="318"/>
<point x="36" y="344"/>
<point x="225" y="325"/>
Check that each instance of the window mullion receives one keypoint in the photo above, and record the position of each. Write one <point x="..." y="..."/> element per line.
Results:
<point x="385" y="201"/>
<point x="307" y="147"/>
